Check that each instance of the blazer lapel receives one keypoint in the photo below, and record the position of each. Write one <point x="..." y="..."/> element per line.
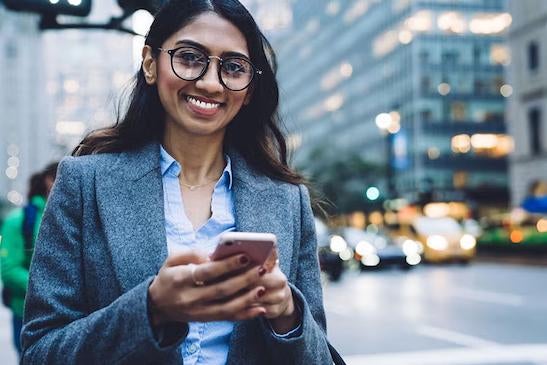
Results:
<point x="259" y="206"/>
<point x="131" y="210"/>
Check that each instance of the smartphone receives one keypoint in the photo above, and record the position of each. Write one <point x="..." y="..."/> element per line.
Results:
<point x="257" y="246"/>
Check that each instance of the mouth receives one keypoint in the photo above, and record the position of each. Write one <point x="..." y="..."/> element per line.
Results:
<point x="203" y="106"/>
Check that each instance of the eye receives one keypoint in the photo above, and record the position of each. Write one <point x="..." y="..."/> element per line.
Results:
<point x="236" y="66"/>
<point x="189" y="57"/>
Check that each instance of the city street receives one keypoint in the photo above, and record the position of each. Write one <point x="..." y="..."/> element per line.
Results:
<point x="434" y="315"/>
<point x="441" y="315"/>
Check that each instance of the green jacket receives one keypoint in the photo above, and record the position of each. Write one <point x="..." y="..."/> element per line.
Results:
<point x="13" y="258"/>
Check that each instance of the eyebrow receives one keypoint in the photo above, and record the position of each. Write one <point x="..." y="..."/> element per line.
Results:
<point x="200" y="46"/>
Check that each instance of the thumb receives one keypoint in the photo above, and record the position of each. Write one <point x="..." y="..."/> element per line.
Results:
<point x="185" y="258"/>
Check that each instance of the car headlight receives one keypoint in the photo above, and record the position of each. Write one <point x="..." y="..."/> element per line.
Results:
<point x="338" y="244"/>
<point x="365" y="248"/>
<point x="411" y="247"/>
<point x="370" y="260"/>
<point x="467" y="242"/>
<point x="414" y="259"/>
<point x="346" y="255"/>
<point x="437" y="242"/>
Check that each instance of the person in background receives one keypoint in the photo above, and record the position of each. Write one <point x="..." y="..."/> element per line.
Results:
<point x="18" y="234"/>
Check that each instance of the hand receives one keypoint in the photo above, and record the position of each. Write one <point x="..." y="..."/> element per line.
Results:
<point x="174" y="296"/>
<point x="278" y="301"/>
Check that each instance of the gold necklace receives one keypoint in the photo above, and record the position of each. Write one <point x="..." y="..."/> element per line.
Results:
<point x="194" y="187"/>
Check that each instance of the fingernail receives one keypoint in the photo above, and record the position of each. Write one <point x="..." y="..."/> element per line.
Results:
<point x="243" y="260"/>
<point x="261" y="271"/>
<point x="260" y="292"/>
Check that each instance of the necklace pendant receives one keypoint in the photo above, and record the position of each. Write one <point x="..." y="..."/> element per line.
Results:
<point x="193" y="187"/>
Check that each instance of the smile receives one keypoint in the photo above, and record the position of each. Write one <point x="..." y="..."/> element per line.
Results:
<point x="202" y="104"/>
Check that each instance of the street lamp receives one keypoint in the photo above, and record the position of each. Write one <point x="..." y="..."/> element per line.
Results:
<point x="51" y="7"/>
<point x="389" y="124"/>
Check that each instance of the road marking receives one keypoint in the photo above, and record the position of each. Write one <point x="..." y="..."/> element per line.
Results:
<point x="489" y="296"/>
<point x="508" y="354"/>
<point x="454" y="337"/>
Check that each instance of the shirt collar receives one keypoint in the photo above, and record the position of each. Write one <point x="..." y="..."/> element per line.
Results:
<point x="170" y="166"/>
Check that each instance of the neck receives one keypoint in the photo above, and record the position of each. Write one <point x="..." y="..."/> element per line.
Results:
<point x="201" y="157"/>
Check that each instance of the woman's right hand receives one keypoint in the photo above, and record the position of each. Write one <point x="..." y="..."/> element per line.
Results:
<point x="174" y="296"/>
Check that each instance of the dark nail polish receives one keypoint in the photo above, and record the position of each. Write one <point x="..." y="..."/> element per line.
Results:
<point x="260" y="292"/>
<point x="261" y="271"/>
<point x="243" y="260"/>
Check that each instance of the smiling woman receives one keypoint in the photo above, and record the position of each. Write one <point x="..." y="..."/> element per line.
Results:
<point x="121" y="273"/>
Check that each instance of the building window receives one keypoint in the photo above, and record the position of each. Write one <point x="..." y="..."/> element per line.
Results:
<point x="533" y="56"/>
<point x="458" y="111"/>
<point x="534" y="127"/>
<point x="425" y="84"/>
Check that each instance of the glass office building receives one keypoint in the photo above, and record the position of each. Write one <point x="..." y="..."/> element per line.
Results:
<point x="417" y="86"/>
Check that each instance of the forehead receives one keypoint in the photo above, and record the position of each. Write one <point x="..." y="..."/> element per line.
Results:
<point x="214" y="33"/>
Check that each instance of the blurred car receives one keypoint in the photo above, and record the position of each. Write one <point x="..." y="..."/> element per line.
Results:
<point x="374" y="249"/>
<point x="329" y="260"/>
<point x="443" y="239"/>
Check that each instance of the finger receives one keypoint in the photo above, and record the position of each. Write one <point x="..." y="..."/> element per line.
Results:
<point x="273" y="297"/>
<point x="231" y="286"/>
<point x="231" y="309"/>
<point x="250" y="313"/>
<point x="212" y="270"/>
<point x="273" y="281"/>
<point x="185" y="258"/>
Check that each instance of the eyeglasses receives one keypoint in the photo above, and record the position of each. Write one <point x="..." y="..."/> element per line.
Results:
<point x="189" y="63"/>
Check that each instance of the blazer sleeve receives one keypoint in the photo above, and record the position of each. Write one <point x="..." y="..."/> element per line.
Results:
<point x="58" y="327"/>
<point x="310" y="347"/>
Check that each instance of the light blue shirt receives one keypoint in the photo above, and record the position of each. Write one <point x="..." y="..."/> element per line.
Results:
<point x="206" y="343"/>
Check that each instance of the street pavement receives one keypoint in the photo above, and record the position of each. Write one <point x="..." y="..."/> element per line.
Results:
<point x="8" y="355"/>
<point x="479" y="314"/>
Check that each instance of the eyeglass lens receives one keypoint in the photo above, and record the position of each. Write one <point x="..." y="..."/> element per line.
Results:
<point x="189" y="64"/>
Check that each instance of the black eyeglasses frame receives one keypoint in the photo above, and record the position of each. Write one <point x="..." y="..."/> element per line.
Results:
<point x="221" y="60"/>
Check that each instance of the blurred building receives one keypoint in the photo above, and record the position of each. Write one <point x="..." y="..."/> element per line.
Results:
<point x="528" y="104"/>
<point x="417" y="86"/>
<point x="57" y="85"/>
<point x="24" y="133"/>
<point x="86" y="70"/>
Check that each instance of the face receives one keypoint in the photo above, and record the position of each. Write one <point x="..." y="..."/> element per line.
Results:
<point x="204" y="106"/>
<point x="49" y="180"/>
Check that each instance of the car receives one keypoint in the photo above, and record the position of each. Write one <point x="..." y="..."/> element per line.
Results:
<point x="330" y="261"/>
<point x="373" y="249"/>
<point x="443" y="239"/>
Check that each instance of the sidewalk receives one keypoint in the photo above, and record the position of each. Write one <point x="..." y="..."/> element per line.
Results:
<point x="8" y="355"/>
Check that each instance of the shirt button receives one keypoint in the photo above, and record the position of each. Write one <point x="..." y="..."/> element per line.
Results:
<point x="192" y="348"/>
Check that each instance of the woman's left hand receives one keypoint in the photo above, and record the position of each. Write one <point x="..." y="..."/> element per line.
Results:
<point x="278" y="301"/>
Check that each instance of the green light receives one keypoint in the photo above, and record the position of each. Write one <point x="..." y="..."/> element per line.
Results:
<point x="372" y="193"/>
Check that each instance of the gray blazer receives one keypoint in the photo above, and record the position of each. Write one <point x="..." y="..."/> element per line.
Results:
<point x="102" y="241"/>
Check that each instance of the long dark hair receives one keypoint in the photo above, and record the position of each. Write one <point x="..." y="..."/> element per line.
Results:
<point x="255" y="131"/>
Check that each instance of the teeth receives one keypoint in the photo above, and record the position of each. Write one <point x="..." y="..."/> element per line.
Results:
<point x="202" y="104"/>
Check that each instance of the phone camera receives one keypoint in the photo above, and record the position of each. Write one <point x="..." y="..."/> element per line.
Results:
<point x="229" y="243"/>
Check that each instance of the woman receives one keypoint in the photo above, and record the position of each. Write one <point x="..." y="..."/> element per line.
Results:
<point x="121" y="271"/>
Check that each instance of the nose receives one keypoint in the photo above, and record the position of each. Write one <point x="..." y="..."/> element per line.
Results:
<point x="210" y="81"/>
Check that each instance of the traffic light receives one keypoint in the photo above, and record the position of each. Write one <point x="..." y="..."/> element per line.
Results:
<point x="132" y="5"/>
<point x="51" y="7"/>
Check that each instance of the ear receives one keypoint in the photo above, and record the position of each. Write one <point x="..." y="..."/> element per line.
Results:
<point x="149" y="65"/>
